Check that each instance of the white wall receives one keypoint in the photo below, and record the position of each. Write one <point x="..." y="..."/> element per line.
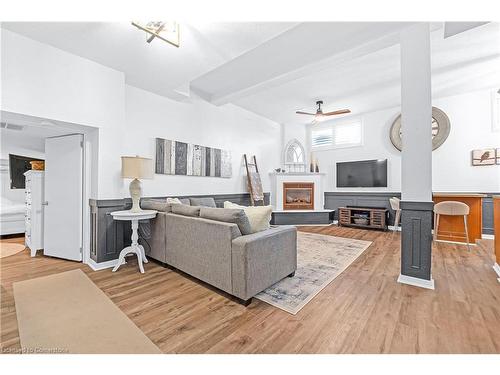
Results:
<point x="471" y="128"/>
<point x="470" y="116"/>
<point x="228" y="127"/>
<point x="13" y="142"/>
<point x="43" y="81"/>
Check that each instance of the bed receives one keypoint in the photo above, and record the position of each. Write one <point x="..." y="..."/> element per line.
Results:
<point x="11" y="217"/>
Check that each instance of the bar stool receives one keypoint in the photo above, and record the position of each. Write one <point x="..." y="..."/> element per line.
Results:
<point x="395" y="206"/>
<point x="451" y="208"/>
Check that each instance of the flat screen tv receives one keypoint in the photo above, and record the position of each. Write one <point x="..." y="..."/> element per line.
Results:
<point x="364" y="173"/>
<point x="17" y="166"/>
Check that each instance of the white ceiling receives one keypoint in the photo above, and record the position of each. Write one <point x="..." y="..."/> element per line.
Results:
<point x="274" y="69"/>
<point x="157" y="66"/>
<point x="37" y="127"/>
<point x="462" y="63"/>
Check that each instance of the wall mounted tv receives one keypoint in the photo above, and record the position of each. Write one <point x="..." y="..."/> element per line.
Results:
<point x="364" y="173"/>
<point x="17" y="166"/>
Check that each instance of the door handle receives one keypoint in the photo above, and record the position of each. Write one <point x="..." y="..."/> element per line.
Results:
<point x="45" y="203"/>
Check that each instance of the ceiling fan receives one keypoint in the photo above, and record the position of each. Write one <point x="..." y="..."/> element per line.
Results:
<point x="320" y="115"/>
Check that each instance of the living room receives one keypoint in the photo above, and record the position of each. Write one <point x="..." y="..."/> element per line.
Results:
<point x="203" y="195"/>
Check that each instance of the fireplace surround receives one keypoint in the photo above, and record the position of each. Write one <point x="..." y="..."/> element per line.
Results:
<point x="298" y="195"/>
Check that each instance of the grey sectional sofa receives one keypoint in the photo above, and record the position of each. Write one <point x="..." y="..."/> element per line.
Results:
<point x="217" y="253"/>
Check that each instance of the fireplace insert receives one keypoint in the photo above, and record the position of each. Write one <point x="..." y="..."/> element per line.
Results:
<point x="298" y="195"/>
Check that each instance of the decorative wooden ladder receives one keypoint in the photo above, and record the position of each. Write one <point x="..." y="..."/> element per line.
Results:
<point x="253" y="181"/>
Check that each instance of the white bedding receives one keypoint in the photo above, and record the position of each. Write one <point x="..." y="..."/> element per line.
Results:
<point x="12" y="210"/>
<point x="11" y="217"/>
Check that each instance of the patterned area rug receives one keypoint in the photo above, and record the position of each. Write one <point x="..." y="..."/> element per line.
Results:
<point x="320" y="259"/>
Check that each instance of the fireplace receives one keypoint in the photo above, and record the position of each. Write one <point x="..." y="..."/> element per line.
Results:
<point x="298" y="195"/>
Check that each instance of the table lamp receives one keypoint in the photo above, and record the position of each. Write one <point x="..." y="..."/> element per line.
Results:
<point x="136" y="167"/>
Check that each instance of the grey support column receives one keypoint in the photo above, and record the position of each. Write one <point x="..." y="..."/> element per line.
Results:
<point x="416" y="157"/>
<point x="416" y="244"/>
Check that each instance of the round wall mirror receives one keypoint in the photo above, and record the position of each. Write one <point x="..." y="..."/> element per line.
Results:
<point x="440" y="129"/>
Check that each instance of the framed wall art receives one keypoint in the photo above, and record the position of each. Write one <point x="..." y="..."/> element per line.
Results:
<point x="180" y="158"/>
<point x="485" y="156"/>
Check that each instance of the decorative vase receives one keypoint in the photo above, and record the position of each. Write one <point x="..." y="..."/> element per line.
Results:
<point x="311" y="167"/>
<point x="317" y="168"/>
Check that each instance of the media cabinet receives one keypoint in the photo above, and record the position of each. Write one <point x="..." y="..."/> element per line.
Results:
<point x="363" y="217"/>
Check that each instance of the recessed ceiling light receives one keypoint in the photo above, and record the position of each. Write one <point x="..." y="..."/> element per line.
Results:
<point x="164" y="30"/>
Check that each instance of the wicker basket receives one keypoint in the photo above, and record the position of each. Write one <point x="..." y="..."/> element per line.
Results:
<point x="37" y="165"/>
<point x="361" y="221"/>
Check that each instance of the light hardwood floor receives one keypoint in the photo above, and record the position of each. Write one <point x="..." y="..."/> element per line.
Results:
<point x="363" y="311"/>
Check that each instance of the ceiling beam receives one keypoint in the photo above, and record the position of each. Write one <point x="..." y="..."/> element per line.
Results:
<point x="304" y="49"/>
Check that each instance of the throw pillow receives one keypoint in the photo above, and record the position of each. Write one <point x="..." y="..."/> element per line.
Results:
<point x="228" y="215"/>
<point x="156" y="204"/>
<point x="184" y="209"/>
<point x="258" y="216"/>
<point x="205" y="202"/>
<point x="174" y="201"/>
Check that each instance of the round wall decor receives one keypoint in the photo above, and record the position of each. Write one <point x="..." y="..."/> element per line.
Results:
<point x="440" y="129"/>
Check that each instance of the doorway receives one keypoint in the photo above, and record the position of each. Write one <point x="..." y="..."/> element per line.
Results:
<point x="64" y="188"/>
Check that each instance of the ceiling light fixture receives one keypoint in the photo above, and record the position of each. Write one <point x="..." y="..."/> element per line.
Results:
<point x="164" y="30"/>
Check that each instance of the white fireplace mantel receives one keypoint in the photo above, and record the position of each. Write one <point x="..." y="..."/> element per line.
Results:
<point x="277" y="180"/>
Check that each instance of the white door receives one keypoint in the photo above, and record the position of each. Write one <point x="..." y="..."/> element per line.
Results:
<point x="63" y="197"/>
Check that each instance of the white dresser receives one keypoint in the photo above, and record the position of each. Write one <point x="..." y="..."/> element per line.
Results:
<point x="34" y="198"/>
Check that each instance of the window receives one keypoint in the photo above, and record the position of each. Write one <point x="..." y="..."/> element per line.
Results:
<point x="345" y="134"/>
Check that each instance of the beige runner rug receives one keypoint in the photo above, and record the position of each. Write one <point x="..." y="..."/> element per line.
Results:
<point x="68" y="313"/>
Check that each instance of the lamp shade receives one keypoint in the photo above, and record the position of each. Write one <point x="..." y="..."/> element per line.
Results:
<point x="137" y="167"/>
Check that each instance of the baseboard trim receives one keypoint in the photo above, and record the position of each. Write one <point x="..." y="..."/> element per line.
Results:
<point x="496" y="268"/>
<point x="103" y="265"/>
<point x="456" y="242"/>
<point x="415" y="281"/>
<point x="307" y="225"/>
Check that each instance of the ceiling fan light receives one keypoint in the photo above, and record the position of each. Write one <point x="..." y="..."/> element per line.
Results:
<point x="167" y="31"/>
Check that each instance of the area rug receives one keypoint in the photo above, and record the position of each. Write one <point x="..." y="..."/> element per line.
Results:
<point x="320" y="259"/>
<point x="8" y="248"/>
<point x="68" y="313"/>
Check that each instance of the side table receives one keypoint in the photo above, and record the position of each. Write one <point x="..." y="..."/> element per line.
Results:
<point x="135" y="248"/>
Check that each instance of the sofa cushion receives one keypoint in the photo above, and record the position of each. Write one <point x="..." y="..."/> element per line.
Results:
<point x="184" y="209"/>
<point x="204" y="202"/>
<point x="228" y="215"/>
<point x="179" y="201"/>
<point x="258" y="216"/>
<point x="156" y="204"/>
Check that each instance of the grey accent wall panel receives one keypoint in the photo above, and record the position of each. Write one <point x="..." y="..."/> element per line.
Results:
<point x="334" y="200"/>
<point x="108" y="237"/>
<point x="416" y="239"/>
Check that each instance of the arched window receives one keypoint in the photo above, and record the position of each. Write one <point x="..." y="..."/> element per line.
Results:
<point x="294" y="157"/>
